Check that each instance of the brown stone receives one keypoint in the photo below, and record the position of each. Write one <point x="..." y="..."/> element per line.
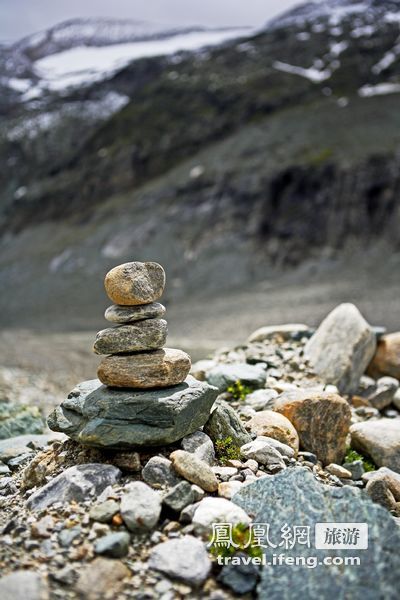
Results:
<point x="161" y="368"/>
<point x="386" y="360"/>
<point x="274" y="425"/>
<point x="102" y="578"/>
<point x="321" y="419"/>
<point x="135" y="283"/>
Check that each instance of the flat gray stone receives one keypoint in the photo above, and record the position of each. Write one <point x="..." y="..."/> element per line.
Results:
<point x="79" y="483"/>
<point x="200" y="444"/>
<point x="96" y="415"/>
<point x="380" y="440"/>
<point x="179" y="496"/>
<point x="185" y="559"/>
<point x="222" y="376"/>
<point x="296" y="498"/>
<point x="23" y="585"/>
<point x="342" y="348"/>
<point x="130" y="314"/>
<point x="150" y="334"/>
<point x="115" y="544"/>
<point x="159" y="473"/>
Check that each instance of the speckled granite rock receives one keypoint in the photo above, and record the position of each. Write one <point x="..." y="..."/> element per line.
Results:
<point x="150" y="334"/>
<point x="114" y="418"/>
<point x="161" y="368"/>
<point x="295" y="492"/>
<point x="321" y="419"/>
<point x="342" y="348"/>
<point x="135" y="283"/>
<point x="130" y="314"/>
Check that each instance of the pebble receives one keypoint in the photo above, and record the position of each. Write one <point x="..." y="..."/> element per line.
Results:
<point x="159" y="472"/>
<point x="185" y="559"/>
<point x="101" y="579"/>
<point x="200" y="444"/>
<point x="224" y="473"/>
<point x="224" y="423"/>
<point x="180" y="496"/>
<point x="227" y="489"/>
<point x="263" y="453"/>
<point x="135" y="283"/>
<point x="115" y="544"/>
<point x="194" y="470"/>
<point x="140" y="507"/>
<point x="356" y="468"/>
<point x="217" y="510"/>
<point x="339" y="471"/>
<point x="274" y="425"/>
<point x="104" y="512"/>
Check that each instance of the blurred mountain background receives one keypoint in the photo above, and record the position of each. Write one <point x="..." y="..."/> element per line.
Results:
<point x="259" y="165"/>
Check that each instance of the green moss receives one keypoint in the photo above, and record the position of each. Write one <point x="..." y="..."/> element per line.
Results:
<point x="353" y="455"/>
<point x="242" y="539"/>
<point x="239" y="391"/>
<point x="226" y="450"/>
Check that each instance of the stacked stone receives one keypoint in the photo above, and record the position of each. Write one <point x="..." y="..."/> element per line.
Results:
<point x="136" y="357"/>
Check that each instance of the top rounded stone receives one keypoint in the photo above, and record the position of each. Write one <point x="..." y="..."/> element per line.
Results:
<point x="135" y="283"/>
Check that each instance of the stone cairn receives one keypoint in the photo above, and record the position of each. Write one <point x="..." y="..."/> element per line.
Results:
<point x="148" y="397"/>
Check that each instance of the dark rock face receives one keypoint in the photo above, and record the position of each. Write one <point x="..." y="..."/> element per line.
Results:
<point x="116" y="418"/>
<point x="296" y="498"/>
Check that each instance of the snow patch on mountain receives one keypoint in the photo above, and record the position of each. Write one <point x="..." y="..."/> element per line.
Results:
<point x="311" y="73"/>
<point x="381" y="89"/>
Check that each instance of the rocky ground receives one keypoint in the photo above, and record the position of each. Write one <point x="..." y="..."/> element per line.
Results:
<point x="304" y="425"/>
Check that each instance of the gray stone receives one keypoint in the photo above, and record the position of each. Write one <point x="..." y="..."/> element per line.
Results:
<point x="356" y="468"/>
<point x="225" y="423"/>
<point x="380" y="440"/>
<point x="284" y="332"/>
<point x="115" y="544"/>
<point x="383" y="394"/>
<point x="295" y="492"/>
<point x="99" y="416"/>
<point x="200" y="444"/>
<point x="342" y="348"/>
<point x="217" y="510"/>
<point x="263" y="453"/>
<point x="22" y="444"/>
<point x="78" y="483"/>
<point x="179" y="496"/>
<point x="185" y="559"/>
<point x="140" y="507"/>
<point x="240" y="578"/>
<point x="23" y="585"/>
<point x="67" y="536"/>
<point x="222" y="376"/>
<point x="104" y="512"/>
<point x="18" y="461"/>
<point x="283" y="449"/>
<point x="159" y="472"/>
<point x="7" y="486"/>
<point x="262" y="399"/>
<point x="150" y="334"/>
<point x="130" y="314"/>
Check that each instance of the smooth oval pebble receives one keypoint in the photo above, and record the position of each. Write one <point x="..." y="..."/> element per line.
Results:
<point x="150" y="334"/>
<point x="161" y="368"/>
<point x="130" y="314"/>
<point x="135" y="283"/>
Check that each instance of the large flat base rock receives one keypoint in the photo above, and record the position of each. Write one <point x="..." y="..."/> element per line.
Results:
<point x="294" y="498"/>
<point x="96" y="415"/>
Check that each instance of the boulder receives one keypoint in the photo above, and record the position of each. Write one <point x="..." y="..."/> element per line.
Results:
<point x="96" y="415"/>
<point x="274" y="425"/>
<point x="150" y="334"/>
<point x="161" y="368"/>
<point x="386" y="360"/>
<point x="295" y="494"/>
<point x="380" y="440"/>
<point x="322" y="421"/>
<point x="135" y="283"/>
<point x="342" y="348"/>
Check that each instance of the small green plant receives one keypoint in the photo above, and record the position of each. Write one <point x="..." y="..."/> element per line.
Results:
<point x="226" y="450"/>
<point x="235" y="538"/>
<point x="239" y="391"/>
<point x="352" y="455"/>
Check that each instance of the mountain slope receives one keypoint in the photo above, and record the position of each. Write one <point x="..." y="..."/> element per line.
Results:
<point x="228" y="165"/>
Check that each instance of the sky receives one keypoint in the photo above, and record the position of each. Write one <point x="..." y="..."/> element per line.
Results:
<point x="22" y="17"/>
